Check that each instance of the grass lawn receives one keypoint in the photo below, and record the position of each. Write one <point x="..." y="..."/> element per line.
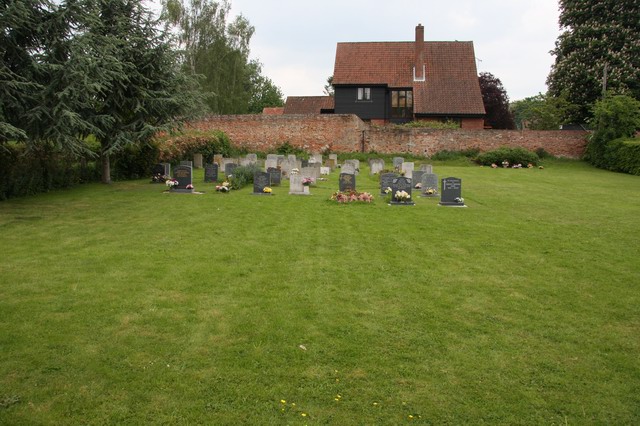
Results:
<point x="124" y="305"/>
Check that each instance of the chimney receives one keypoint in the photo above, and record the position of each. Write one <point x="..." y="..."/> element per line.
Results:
<point x="419" y="66"/>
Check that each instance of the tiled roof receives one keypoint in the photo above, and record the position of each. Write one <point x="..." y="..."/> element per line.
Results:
<point x="307" y="104"/>
<point x="451" y="85"/>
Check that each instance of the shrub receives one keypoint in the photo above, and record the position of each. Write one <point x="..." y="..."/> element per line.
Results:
<point x="512" y="155"/>
<point x="135" y="161"/>
<point x="623" y="155"/>
<point x="430" y="125"/>
<point x="446" y="155"/>
<point x="182" y="147"/>
<point x="286" y="148"/>
<point x="243" y="176"/>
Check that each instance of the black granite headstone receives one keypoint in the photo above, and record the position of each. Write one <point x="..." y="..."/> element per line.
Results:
<point x="183" y="174"/>
<point x="261" y="180"/>
<point x="347" y="182"/>
<point x="451" y="194"/>
<point x="401" y="184"/>
<point x="386" y="179"/>
<point x="276" y="176"/>
<point x="211" y="173"/>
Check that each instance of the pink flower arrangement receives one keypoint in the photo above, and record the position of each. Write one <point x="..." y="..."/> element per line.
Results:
<point x="352" y="197"/>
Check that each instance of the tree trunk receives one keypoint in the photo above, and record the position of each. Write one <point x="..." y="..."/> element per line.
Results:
<point x="106" y="167"/>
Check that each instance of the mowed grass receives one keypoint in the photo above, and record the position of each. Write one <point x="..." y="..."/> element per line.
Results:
<point x="124" y="305"/>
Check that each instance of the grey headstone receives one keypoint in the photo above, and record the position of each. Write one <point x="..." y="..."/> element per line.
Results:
<point x="273" y="157"/>
<point x="417" y="177"/>
<point x="271" y="163"/>
<point x="427" y="168"/>
<point x="253" y="158"/>
<point x="211" y="172"/>
<point x="183" y="174"/>
<point x="401" y="183"/>
<point x="347" y="182"/>
<point x="348" y="168"/>
<point x="451" y="189"/>
<point x="260" y="181"/>
<point x="429" y="181"/>
<point x="386" y="179"/>
<point x="376" y="165"/>
<point x="187" y="163"/>
<point x="275" y="175"/>
<point x="291" y="157"/>
<point x="295" y="185"/>
<point x="407" y="168"/>
<point x="397" y="162"/>
<point x="229" y="168"/>
<point x="197" y="161"/>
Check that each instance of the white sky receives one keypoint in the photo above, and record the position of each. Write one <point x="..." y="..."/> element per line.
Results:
<point x="295" y="40"/>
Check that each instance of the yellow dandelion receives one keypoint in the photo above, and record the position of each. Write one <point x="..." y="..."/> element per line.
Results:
<point x="375" y="403"/>
<point x="304" y="414"/>
<point x="410" y="416"/>
<point x="293" y="404"/>
<point x="282" y="401"/>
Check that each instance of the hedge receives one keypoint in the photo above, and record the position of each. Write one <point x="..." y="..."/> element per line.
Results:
<point x="623" y="155"/>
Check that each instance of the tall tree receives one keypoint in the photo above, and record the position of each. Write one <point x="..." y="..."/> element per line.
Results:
<point x="264" y="93"/>
<point x="496" y="102"/>
<point x="540" y="112"/>
<point x="120" y="78"/>
<point x="598" y="49"/>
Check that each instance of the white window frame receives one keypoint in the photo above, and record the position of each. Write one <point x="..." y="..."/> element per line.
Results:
<point x="364" y="94"/>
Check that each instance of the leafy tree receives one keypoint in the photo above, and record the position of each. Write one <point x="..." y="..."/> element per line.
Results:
<point x="600" y="46"/>
<point x="615" y="116"/>
<point x="264" y="93"/>
<point x="496" y="102"/>
<point x="328" y="88"/>
<point x="540" y="112"/>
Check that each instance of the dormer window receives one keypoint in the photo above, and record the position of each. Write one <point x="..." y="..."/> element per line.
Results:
<point x="364" y="94"/>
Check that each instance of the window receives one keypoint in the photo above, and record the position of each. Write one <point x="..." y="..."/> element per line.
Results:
<point x="364" y="93"/>
<point x="401" y="104"/>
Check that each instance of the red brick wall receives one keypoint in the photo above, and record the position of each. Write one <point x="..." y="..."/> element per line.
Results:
<point x="343" y="133"/>
<point x="313" y="133"/>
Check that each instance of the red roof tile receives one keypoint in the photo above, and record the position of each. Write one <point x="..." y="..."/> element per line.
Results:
<point x="307" y="104"/>
<point x="451" y="85"/>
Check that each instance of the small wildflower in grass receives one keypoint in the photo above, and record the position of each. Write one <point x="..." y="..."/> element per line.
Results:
<point x="303" y="414"/>
<point x="282" y="401"/>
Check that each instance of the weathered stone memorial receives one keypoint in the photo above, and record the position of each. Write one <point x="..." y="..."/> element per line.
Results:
<point x="397" y="162"/>
<point x="276" y="176"/>
<point x="347" y="182"/>
<point x="211" y="173"/>
<point x="261" y="180"/>
<point x="296" y="187"/>
<point x="386" y="179"/>
<point x="197" y="161"/>
<point x="376" y="165"/>
<point x="401" y="191"/>
<point x="407" y="168"/>
<point x="348" y="168"/>
<point x="229" y="168"/>
<point x="429" y="185"/>
<point x="416" y="178"/>
<point x="427" y="168"/>
<point x="451" y="195"/>
<point x="187" y="163"/>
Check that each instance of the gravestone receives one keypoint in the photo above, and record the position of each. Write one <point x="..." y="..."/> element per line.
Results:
<point x="325" y="171"/>
<point x="296" y="187"/>
<point x="252" y="158"/>
<point x="429" y="181"/>
<point x="427" y="168"/>
<point x="386" y="179"/>
<point x="316" y="158"/>
<point x="331" y="163"/>
<point x="229" y="168"/>
<point x="417" y="178"/>
<point x="158" y="173"/>
<point x="187" y="163"/>
<point x="347" y="182"/>
<point x="218" y="159"/>
<point x="407" y="168"/>
<point x="271" y="163"/>
<point x="276" y="176"/>
<point x="291" y="158"/>
<point x="261" y="180"/>
<point x="305" y="163"/>
<point x="197" y="161"/>
<point x="401" y="183"/>
<point x="348" y="168"/>
<point x="273" y="157"/>
<point x="376" y="165"/>
<point x="183" y="174"/>
<point x="334" y="157"/>
<point x="451" y="192"/>
<point x="211" y="173"/>
<point x="397" y="162"/>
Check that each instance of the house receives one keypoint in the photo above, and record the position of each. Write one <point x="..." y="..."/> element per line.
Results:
<point x="308" y="105"/>
<point x="396" y="82"/>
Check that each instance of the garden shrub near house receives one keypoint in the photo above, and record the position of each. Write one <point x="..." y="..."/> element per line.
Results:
<point x="623" y="155"/>
<point x="182" y="147"/>
<point x="510" y="155"/>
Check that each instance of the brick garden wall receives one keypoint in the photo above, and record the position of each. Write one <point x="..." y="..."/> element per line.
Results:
<point x="343" y="133"/>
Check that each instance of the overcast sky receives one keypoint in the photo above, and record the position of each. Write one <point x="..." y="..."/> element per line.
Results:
<point x="296" y="39"/>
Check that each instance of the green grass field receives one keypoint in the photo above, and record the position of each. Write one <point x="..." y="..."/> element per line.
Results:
<point x="124" y="305"/>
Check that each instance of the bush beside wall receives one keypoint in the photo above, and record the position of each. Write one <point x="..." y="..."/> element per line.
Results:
<point x="623" y="155"/>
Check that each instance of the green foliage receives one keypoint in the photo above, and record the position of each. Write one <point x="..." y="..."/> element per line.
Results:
<point x="512" y="155"/>
<point x="286" y="148"/>
<point x="541" y="112"/>
<point x="28" y="172"/>
<point x="446" y="155"/>
<point x="496" y="102"/>
<point x="183" y="146"/>
<point x="429" y="124"/>
<point x="243" y="176"/>
<point x="614" y="117"/>
<point x="135" y="161"/>
<point x="601" y="39"/>
<point x="623" y="155"/>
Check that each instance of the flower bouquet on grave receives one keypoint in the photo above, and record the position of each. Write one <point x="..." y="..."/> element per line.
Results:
<point x="430" y="191"/>
<point x="189" y="186"/>
<point x="402" y="196"/>
<point x="294" y="171"/>
<point x="351" y="197"/>
<point x="171" y="183"/>
<point x="459" y="200"/>
<point x="225" y="187"/>
<point x="307" y="181"/>
<point x="418" y="185"/>
<point x="505" y="164"/>
<point x="266" y="190"/>
<point x="159" y="178"/>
